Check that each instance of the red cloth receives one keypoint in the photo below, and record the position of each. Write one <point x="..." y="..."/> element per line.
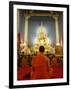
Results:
<point x="23" y="71"/>
<point x="57" y="72"/>
<point x="40" y="67"/>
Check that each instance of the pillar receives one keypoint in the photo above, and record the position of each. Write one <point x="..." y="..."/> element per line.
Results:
<point x="26" y="31"/>
<point x="18" y="20"/>
<point x="57" y="31"/>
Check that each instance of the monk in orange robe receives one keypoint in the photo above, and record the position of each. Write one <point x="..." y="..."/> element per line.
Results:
<point x="40" y="66"/>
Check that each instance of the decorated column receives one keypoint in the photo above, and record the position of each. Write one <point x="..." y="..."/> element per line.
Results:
<point x="57" y="31"/>
<point x="26" y="31"/>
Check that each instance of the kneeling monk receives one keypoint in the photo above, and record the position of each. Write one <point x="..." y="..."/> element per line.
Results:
<point x="40" y="66"/>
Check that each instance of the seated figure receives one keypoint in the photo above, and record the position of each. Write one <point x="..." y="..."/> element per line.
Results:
<point x="23" y="72"/>
<point x="54" y="61"/>
<point x="40" y="66"/>
<point x="57" y="69"/>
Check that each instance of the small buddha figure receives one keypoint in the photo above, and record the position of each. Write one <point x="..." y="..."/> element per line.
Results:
<point x="54" y="61"/>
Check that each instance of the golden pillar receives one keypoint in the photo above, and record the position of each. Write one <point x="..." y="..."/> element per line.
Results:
<point x="26" y="31"/>
<point x="57" y="30"/>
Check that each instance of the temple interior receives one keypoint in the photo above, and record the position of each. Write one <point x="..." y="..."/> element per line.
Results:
<point x="30" y="38"/>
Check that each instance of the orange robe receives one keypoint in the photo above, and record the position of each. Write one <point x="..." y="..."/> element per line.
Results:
<point x="40" y="67"/>
<point x="23" y="71"/>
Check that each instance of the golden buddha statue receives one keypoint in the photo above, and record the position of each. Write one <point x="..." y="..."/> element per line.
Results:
<point x="42" y="40"/>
